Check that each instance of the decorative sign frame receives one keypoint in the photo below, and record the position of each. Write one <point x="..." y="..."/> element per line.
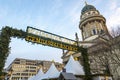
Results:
<point x="49" y="39"/>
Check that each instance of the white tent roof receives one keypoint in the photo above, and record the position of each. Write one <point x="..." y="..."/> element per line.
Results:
<point x="31" y="78"/>
<point x="39" y="75"/>
<point x="51" y="73"/>
<point x="74" y="67"/>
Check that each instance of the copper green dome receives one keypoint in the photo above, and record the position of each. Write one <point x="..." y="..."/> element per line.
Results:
<point x="87" y="8"/>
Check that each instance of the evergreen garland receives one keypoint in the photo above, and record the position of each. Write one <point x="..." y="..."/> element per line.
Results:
<point x="86" y="64"/>
<point x="5" y="39"/>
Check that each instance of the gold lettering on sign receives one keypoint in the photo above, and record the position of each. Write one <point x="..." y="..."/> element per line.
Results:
<point x="51" y="43"/>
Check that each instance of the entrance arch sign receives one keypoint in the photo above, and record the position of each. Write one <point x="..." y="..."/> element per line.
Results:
<point x="49" y="39"/>
<point x="40" y="37"/>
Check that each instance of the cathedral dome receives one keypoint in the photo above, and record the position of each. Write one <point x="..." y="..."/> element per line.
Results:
<point x="87" y="8"/>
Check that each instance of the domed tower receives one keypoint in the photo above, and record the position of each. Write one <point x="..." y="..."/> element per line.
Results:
<point x="92" y="23"/>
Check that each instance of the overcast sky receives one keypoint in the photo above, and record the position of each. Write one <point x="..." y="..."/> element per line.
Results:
<point x="60" y="17"/>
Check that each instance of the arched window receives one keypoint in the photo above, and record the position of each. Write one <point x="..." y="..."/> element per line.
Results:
<point x="94" y="31"/>
<point x="102" y="31"/>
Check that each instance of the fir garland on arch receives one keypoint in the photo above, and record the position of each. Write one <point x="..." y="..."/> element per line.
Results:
<point x="86" y="65"/>
<point x="5" y="38"/>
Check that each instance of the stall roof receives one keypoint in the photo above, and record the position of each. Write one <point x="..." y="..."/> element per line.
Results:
<point x="39" y="74"/>
<point x="74" y="67"/>
<point x="51" y="73"/>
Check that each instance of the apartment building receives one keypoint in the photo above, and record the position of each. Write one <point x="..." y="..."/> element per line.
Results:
<point x="25" y="68"/>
